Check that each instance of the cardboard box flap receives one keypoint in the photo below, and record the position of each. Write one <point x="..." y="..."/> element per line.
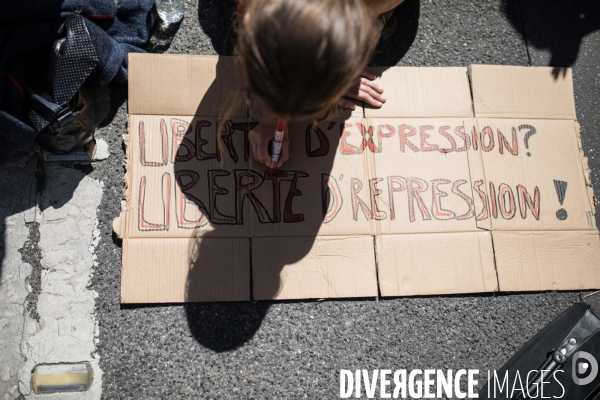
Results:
<point x="436" y="263"/>
<point x="178" y="270"/>
<point x="313" y="267"/>
<point x="318" y="189"/>
<point x="423" y="176"/>
<point x="526" y="92"/>
<point x="534" y="178"/>
<point x="161" y="84"/>
<point x="179" y="183"/>
<point x="547" y="260"/>
<point x="423" y="92"/>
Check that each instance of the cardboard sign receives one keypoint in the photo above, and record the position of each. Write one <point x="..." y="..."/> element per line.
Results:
<point x="437" y="192"/>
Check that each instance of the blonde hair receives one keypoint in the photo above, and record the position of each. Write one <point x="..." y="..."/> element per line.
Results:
<point x="301" y="56"/>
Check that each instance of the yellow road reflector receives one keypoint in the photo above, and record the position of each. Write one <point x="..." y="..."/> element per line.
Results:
<point x="61" y="378"/>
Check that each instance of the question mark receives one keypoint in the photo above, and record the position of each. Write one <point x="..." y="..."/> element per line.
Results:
<point x="532" y="131"/>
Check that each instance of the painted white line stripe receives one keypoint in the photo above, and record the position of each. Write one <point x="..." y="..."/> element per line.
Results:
<point x="68" y="235"/>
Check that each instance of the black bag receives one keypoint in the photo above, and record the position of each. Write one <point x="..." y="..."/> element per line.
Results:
<point x="29" y="31"/>
<point x="72" y="127"/>
<point x="563" y="355"/>
<point x="60" y="110"/>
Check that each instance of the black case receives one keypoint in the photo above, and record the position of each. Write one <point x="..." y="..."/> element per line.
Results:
<point x="553" y="348"/>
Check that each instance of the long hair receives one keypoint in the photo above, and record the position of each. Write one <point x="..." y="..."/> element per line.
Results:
<point x="301" y="56"/>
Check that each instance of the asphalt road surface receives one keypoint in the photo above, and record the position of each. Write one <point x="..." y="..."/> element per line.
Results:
<point x="296" y="349"/>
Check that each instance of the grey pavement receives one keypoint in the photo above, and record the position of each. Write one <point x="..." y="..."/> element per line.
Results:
<point x="296" y="349"/>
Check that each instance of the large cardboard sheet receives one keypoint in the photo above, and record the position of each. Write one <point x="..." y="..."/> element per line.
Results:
<point x="443" y="190"/>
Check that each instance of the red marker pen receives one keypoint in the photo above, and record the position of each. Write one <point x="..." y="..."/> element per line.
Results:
<point x="277" y="140"/>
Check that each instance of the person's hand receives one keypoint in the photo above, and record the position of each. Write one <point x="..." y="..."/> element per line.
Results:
<point x="363" y="89"/>
<point x="259" y="139"/>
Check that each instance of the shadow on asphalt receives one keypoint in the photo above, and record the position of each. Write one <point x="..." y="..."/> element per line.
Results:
<point x="556" y="26"/>
<point x="398" y="35"/>
<point x="217" y="21"/>
<point x="227" y="326"/>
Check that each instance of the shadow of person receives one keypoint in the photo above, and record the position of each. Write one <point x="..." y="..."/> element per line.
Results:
<point x="398" y="35"/>
<point x="555" y="26"/>
<point x="248" y="224"/>
<point x="216" y="20"/>
<point x="268" y="222"/>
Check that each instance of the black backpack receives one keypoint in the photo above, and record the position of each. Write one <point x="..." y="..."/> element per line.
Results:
<point x="47" y="56"/>
<point x="60" y="109"/>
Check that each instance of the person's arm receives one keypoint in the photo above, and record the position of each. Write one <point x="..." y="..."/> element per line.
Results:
<point x="364" y="88"/>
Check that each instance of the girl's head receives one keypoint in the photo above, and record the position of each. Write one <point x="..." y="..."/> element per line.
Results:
<point x="300" y="56"/>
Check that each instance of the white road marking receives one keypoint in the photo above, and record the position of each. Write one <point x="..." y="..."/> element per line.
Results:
<point x="68" y="236"/>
